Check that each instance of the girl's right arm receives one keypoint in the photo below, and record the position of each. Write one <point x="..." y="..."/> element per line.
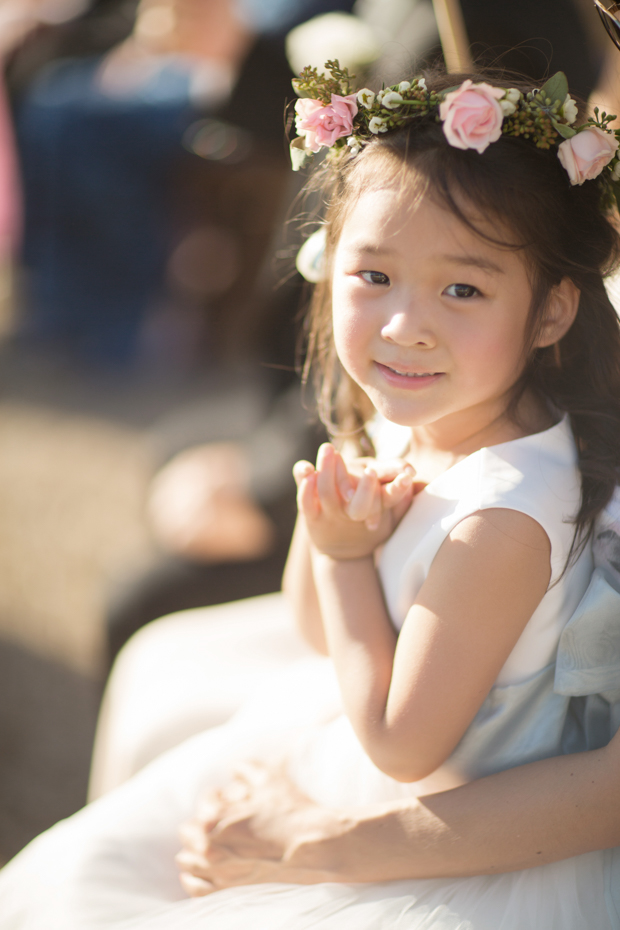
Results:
<point x="300" y="591"/>
<point x="298" y="582"/>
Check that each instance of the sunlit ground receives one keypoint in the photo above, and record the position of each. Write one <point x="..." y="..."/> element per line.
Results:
<point x="70" y="497"/>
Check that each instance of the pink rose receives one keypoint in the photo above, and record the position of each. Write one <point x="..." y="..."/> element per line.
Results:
<point x="323" y="125"/>
<point x="472" y="117"/>
<point x="585" y="155"/>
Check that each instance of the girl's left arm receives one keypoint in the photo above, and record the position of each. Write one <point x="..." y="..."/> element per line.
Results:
<point x="410" y="698"/>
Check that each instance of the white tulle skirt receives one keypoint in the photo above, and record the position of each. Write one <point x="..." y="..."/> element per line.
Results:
<point x="111" y="866"/>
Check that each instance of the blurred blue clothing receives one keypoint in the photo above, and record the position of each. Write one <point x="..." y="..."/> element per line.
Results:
<point x="96" y="230"/>
<point x="275" y="17"/>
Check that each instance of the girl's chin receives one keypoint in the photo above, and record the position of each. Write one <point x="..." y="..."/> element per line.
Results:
<point x="401" y="412"/>
<point x="395" y="414"/>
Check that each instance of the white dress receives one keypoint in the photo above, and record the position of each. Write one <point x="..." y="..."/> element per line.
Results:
<point x="111" y="865"/>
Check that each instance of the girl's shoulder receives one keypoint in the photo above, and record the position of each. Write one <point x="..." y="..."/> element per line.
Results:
<point x="537" y="475"/>
<point x="542" y="467"/>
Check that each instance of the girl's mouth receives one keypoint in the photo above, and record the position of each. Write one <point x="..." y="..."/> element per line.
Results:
<point x="409" y="379"/>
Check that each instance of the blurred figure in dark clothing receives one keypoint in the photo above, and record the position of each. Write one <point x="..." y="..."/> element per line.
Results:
<point x="101" y="144"/>
<point x="222" y="514"/>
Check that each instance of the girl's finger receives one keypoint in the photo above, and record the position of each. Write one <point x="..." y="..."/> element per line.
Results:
<point x="210" y="808"/>
<point x="193" y="835"/>
<point x="346" y="487"/>
<point x="235" y="791"/>
<point x="394" y="492"/>
<point x="363" y="502"/>
<point x="374" y="519"/>
<point x="195" y="887"/>
<point x="307" y="498"/>
<point x="253" y="774"/>
<point x="302" y="470"/>
<point x="386" y="469"/>
<point x="326" y="479"/>
<point x="187" y="861"/>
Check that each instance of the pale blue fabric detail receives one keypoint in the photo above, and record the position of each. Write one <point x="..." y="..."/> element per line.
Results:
<point x="588" y="659"/>
<point x="517" y="723"/>
<point x="590" y="724"/>
<point x="593" y="635"/>
<point x="612" y="885"/>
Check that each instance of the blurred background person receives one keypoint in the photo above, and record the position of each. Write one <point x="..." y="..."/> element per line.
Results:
<point x="132" y="241"/>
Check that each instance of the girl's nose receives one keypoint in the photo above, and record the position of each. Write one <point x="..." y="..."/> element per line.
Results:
<point x="408" y="328"/>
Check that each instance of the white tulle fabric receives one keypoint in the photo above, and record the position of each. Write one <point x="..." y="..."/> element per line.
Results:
<point x="110" y="867"/>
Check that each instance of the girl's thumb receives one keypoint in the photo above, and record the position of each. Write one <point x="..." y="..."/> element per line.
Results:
<point x="301" y="470"/>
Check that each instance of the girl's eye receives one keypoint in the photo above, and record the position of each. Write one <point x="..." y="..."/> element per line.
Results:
<point x="374" y="277"/>
<point x="462" y="291"/>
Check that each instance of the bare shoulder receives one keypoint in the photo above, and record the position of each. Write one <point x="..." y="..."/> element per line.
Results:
<point x="500" y="526"/>
<point x="497" y="556"/>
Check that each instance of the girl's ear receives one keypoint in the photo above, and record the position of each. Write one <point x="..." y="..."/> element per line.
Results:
<point x="559" y="314"/>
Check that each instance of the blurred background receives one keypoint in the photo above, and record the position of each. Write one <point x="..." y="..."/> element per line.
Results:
<point x="150" y="410"/>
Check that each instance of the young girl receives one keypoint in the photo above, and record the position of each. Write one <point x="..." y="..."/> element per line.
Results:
<point x="463" y="301"/>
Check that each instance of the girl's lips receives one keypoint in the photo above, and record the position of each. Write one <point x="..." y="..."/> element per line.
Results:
<point x="410" y="381"/>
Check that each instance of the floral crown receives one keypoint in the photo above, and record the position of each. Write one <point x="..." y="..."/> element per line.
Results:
<point x="331" y="114"/>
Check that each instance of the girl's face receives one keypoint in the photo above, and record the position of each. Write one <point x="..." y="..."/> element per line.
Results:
<point x="429" y="318"/>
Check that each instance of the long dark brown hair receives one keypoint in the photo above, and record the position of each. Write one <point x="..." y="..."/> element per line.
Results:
<point x="562" y="231"/>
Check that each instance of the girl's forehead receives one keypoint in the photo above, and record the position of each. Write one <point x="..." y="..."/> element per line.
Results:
<point x="387" y="215"/>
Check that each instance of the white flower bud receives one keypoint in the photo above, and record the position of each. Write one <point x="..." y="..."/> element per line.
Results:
<point x="404" y="86"/>
<point x="377" y="124"/>
<point x="569" y="109"/>
<point x="380" y="95"/>
<point x="391" y="100"/>
<point x="366" y="97"/>
<point x="354" y="144"/>
<point x="422" y="83"/>
<point x="507" y="107"/>
<point x="513" y="95"/>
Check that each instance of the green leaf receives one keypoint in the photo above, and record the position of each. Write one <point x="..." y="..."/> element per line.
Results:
<point x="556" y="87"/>
<point x="300" y="156"/>
<point x="567" y="132"/>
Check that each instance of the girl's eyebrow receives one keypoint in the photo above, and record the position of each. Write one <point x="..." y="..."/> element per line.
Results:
<point x="477" y="260"/>
<point x="371" y="247"/>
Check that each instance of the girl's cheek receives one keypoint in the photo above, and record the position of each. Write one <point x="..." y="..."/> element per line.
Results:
<point x="351" y="344"/>
<point x="498" y="361"/>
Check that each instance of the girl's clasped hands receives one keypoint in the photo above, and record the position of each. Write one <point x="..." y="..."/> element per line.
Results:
<point x="351" y="507"/>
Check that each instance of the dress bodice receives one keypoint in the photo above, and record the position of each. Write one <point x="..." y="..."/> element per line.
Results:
<point x="536" y="475"/>
<point x="524" y="716"/>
